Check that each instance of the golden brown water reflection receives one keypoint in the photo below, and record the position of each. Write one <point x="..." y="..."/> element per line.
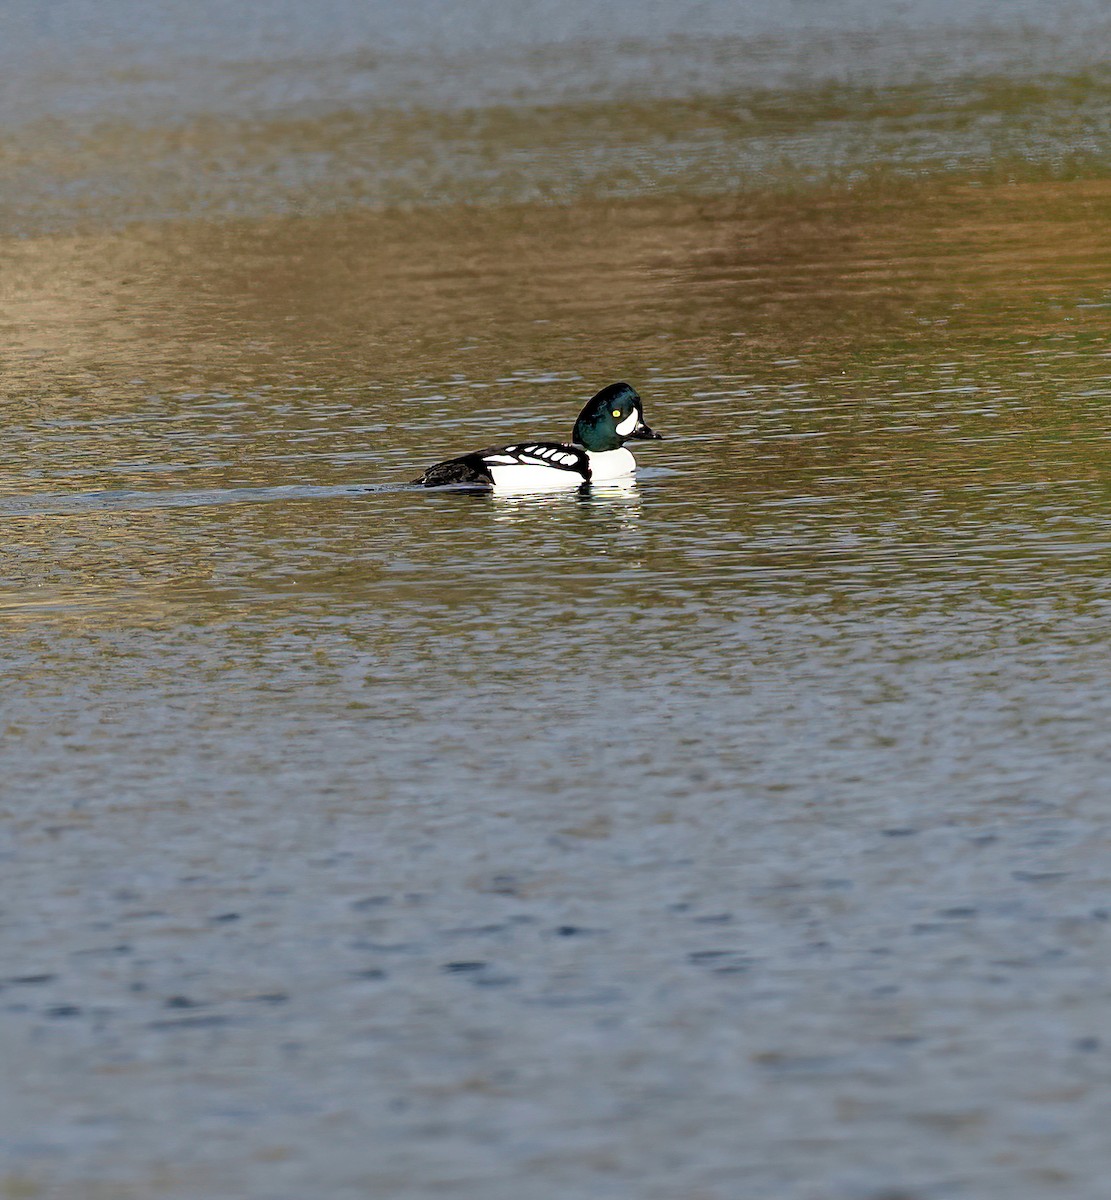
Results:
<point x="364" y="300"/>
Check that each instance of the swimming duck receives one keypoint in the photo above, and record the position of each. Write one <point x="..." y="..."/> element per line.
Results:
<point x="597" y="452"/>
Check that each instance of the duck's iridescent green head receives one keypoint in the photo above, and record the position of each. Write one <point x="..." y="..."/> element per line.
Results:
<point x="610" y="419"/>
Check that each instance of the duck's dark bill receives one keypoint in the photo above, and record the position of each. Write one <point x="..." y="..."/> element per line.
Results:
<point x="644" y="434"/>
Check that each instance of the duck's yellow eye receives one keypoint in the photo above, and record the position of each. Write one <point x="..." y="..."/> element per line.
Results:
<point x="617" y="412"/>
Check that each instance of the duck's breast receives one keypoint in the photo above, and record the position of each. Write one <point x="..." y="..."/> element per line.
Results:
<point x="610" y="464"/>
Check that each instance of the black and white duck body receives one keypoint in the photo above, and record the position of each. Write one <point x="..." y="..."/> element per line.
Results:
<point x="596" y="453"/>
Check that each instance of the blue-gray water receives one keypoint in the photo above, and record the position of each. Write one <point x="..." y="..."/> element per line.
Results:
<point x="741" y="833"/>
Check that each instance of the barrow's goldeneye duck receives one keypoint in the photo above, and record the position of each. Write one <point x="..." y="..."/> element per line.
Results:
<point x="597" y="453"/>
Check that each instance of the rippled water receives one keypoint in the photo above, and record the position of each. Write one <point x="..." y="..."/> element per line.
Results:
<point x="740" y="832"/>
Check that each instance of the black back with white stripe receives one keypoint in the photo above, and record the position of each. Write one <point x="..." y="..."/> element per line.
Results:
<point x="477" y="468"/>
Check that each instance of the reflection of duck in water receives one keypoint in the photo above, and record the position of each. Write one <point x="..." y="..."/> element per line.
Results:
<point x="597" y="454"/>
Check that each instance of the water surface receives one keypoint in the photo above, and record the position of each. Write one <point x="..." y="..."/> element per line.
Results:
<point x="739" y="832"/>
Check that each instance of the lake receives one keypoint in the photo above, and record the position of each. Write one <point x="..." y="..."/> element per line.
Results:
<point x="740" y="832"/>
